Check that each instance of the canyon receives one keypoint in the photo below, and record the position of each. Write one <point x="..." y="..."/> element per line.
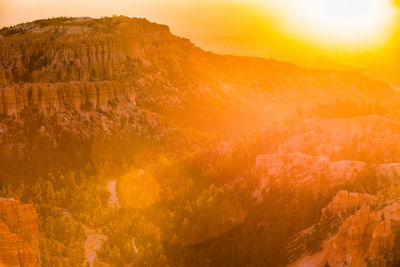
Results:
<point x="85" y="100"/>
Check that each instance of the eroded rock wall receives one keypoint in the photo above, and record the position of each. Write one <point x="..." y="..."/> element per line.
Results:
<point x="57" y="96"/>
<point x="19" y="237"/>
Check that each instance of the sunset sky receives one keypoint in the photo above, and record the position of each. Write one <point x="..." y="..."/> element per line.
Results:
<point x="361" y="34"/>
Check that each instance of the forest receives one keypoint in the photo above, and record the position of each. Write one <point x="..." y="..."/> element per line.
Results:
<point x="190" y="207"/>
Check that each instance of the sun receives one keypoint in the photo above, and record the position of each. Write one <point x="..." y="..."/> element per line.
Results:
<point x="339" y="22"/>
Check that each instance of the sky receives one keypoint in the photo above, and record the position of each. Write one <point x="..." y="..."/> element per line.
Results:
<point x="355" y="34"/>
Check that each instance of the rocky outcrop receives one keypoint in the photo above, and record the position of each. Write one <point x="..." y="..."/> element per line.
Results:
<point x="381" y="240"/>
<point x="346" y="233"/>
<point x="19" y="237"/>
<point x="74" y="49"/>
<point x="391" y="170"/>
<point x="345" y="202"/>
<point x="366" y="237"/>
<point x="48" y="97"/>
<point x="75" y="62"/>
<point x="349" y="245"/>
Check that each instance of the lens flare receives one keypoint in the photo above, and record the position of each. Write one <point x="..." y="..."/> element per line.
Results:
<point x="339" y="22"/>
<point x="138" y="189"/>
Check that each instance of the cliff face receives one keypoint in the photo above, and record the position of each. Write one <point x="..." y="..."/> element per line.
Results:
<point x="87" y="54"/>
<point x="344" y="202"/>
<point x="366" y="236"/>
<point x="77" y="49"/>
<point x="19" y="237"/>
<point x="55" y="97"/>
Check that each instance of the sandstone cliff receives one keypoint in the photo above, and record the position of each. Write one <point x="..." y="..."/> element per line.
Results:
<point x="345" y="202"/>
<point x="48" y="97"/>
<point x="19" y="237"/>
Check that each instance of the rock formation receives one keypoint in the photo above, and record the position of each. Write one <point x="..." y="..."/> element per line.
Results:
<point x="365" y="237"/>
<point x="19" y="237"/>
<point x="349" y="245"/>
<point x="381" y="239"/>
<point x="47" y="97"/>
<point x="344" y="202"/>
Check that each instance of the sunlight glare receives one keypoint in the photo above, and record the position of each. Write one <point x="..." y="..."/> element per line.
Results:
<point x="350" y="22"/>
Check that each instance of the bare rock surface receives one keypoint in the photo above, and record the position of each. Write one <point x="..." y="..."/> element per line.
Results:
<point x="19" y="237"/>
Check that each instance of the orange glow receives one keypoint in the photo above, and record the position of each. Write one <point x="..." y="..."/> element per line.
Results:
<point x="360" y="24"/>
<point x="138" y="189"/>
<point x="354" y="23"/>
<point x="199" y="133"/>
<point x="340" y="34"/>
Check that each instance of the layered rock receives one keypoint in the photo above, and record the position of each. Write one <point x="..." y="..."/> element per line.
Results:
<point x="381" y="240"/>
<point x="344" y="202"/>
<point x="19" y="237"/>
<point x="350" y="244"/>
<point x="75" y="62"/>
<point x="57" y="96"/>
<point x="346" y="233"/>
<point x="366" y="237"/>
